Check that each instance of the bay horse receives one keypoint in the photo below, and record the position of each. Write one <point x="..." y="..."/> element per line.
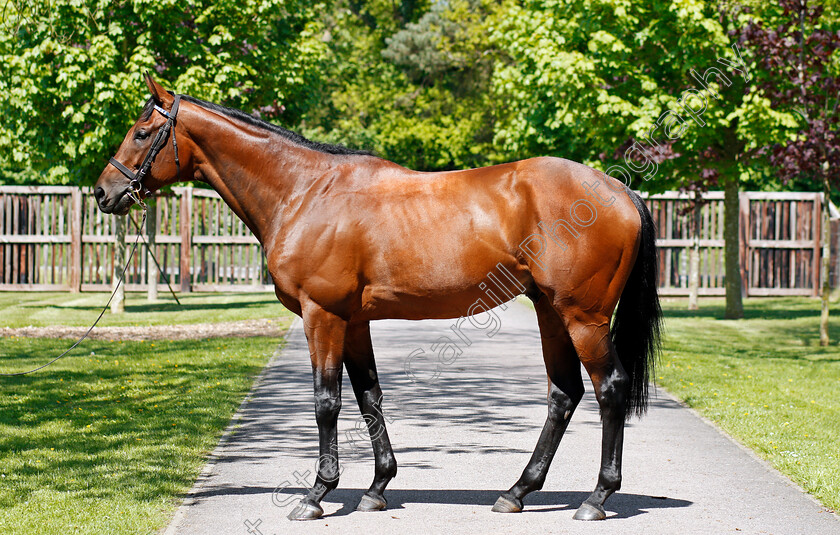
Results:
<point x="350" y="238"/>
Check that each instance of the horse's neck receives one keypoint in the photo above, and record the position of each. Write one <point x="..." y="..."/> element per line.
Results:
<point x="255" y="171"/>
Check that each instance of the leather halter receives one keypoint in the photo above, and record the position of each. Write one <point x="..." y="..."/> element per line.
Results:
<point x="136" y="178"/>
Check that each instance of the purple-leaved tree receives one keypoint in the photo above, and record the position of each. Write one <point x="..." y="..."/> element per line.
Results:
<point x="795" y="60"/>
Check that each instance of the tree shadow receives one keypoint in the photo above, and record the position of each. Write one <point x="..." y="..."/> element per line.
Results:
<point x="771" y="310"/>
<point x="107" y="429"/>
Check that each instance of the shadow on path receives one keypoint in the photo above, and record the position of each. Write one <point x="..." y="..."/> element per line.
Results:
<point x="621" y="504"/>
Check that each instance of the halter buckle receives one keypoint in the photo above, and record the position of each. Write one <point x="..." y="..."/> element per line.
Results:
<point x="135" y="192"/>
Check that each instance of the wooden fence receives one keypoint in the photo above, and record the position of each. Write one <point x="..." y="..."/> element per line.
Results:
<point x="55" y="238"/>
<point x="780" y="244"/>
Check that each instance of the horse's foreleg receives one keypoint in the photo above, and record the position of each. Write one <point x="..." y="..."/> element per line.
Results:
<point x="362" y="371"/>
<point x="325" y="334"/>
<point x="612" y="386"/>
<point x="565" y="389"/>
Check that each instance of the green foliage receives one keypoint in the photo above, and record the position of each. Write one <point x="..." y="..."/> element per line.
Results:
<point x="415" y="92"/>
<point x="478" y="82"/>
<point x="799" y="75"/>
<point x="430" y="85"/>
<point x="71" y="70"/>
<point x="584" y="78"/>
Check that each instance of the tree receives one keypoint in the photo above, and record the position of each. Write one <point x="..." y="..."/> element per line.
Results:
<point x="70" y="71"/>
<point x="800" y="76"/>
<point x="412" y="88"/>
<point x="650" y="92"/>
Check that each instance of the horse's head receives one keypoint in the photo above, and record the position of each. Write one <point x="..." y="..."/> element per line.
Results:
<point x="148" y="157"/>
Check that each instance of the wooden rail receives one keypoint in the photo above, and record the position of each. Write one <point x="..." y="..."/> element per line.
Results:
<point x="779" y="248"/>
<point x="55" y="238"/>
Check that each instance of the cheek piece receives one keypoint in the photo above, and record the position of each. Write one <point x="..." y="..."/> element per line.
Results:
<point x="136" y="187"/>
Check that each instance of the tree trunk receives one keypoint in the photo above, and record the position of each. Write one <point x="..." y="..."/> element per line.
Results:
<point x="151" y="268"/>
<point x="732" y="247"/>
<point x="118" y="303"/>
<point x="694" y="256"/>
<point x="826" y="262"/>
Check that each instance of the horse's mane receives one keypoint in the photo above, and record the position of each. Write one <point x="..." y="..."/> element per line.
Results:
<point x="253" y="121"/>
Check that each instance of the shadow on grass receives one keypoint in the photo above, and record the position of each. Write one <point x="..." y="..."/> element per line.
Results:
<point x="809" y="337"/>
<point x="773" y="328"/>
<point x="772" y="310"/>
<point x="165" y="306"/>
<point x="136" y="429"/>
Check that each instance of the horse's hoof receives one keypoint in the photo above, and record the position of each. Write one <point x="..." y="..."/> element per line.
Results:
<point x="507" y="505"/>
<point x="306" y="511"/>
<point x="588" y="511"/>
<point x="371" y="502"/>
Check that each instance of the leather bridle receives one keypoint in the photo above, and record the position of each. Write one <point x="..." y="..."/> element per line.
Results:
<point x="136" y="178"/>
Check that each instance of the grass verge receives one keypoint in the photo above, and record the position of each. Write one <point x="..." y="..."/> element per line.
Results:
<point x="764" y="380"/>
<point x="43" y="309"/>
<point x="107" y="442"/>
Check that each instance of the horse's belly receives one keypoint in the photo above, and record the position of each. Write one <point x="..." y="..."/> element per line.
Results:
<point x="433" y="299"/>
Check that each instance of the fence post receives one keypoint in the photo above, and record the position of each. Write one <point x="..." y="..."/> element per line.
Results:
<point x="120" y="258"/>
<point x="151" y="269"/>
<point x="76" y="240"/>
<point x="744" y="245"/>
<point x="817" y="226"/>
<point x="694" y="254"/>
<point x="186" y="238"/>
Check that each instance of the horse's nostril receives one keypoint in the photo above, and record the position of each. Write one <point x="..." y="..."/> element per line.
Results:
<point x="99" y="193"/>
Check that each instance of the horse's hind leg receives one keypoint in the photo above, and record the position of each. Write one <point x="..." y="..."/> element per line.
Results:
<point x="362" y="371"/>
<point x="591" y="337"/>
<point x="565" y="389"/>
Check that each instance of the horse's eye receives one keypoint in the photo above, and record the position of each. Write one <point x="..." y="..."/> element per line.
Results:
<point x="141" y="134"/>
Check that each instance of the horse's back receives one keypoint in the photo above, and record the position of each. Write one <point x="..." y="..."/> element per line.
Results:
<point x="548" y="221"/>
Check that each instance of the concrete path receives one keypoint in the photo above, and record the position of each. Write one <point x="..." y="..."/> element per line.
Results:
<point x="464" y="436"/>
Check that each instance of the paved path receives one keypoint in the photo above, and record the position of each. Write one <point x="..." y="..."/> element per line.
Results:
<point x="463" y="437"/>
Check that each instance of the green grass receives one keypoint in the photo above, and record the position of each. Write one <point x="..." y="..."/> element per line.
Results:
<point x="106" y="442"/>
<point x="107" y="439"/>
<point x="37" y="309"/>
<point x="764" y="380"/>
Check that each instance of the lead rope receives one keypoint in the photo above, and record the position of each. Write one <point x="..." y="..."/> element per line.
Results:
<point x="136" y="197"/>
<point x="152" y="254"/>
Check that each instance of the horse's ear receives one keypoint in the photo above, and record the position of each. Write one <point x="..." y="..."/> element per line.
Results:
<point x="162" y="97"/>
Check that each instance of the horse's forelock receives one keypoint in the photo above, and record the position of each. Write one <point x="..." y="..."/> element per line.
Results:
<point x="148" y="108"/>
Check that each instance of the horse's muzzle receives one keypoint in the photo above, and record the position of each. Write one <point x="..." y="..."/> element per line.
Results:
<point x="119" y="205"/>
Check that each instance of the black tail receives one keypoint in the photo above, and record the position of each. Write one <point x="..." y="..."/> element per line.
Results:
<point x="638" y="320"/>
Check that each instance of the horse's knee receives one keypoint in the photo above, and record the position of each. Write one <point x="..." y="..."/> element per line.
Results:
<point x="562" y="402"/>
<point x="327" y="406"/>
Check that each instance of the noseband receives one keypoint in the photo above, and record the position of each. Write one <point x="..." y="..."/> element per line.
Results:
<point x="136" y="178"/>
